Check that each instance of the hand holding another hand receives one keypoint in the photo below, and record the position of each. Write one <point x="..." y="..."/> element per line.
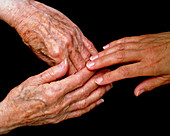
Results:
<point x="43" y="100"/>
<point x="50" y="34"/>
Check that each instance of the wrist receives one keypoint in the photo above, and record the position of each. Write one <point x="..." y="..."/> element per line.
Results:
<point x="8" y="121"/>
<point x="11" y="10"/>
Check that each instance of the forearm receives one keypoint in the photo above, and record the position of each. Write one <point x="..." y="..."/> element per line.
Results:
<point x="8" y="121"/>
<point x="10" y="10"/>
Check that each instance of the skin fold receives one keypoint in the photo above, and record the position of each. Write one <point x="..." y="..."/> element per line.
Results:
<point x="48" y="33"/>
<point x="42" y="100"/>
<point x="45" y="98"/>
<point x="148" y="55"/>
<point x="48" y="98"/>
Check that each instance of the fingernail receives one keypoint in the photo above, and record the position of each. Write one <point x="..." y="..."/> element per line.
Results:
<point x="99" y="80"/>
<point x="105" y="47"/>
<point x="100" y="101"/>
<point x="90" y="64"/>
<point x="140" y="92"/>
<point x="94" y="57"/>
<point x="108" y="87"/>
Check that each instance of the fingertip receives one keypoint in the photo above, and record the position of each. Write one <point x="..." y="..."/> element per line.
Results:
<point x="90" y="65"/>
<point x="100" y="101"/>
<point x="106" y="46"/>
<point x="94" y="57"/>
<point x="99" y="80"/>
<point x="139" y="92"/>
<point x="105" y="79"/>
<point x="148" y="85"/>
<point x="109" y="87"/>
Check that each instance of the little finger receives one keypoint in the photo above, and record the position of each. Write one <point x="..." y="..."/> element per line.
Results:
<point x="151" y="84"/>
<point x="93" y="97"/>
<point x="78" y="113"/>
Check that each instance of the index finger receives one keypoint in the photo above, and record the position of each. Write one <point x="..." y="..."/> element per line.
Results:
<point x="72" y="82"/>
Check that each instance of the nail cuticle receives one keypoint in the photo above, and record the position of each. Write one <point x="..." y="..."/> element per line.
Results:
<point x="90" y="64"/>
<point x="99" y="80"/>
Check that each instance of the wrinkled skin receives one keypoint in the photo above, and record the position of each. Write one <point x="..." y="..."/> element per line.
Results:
<point x="51" y="35"/>
<point x="43" y="100"/>
<point x="53" y="38"/>
<point x="149" y="55"/>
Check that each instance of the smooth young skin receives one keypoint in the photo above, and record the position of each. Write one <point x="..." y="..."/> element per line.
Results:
<point x="149" y="55"/>
<point x="42" y="100"/>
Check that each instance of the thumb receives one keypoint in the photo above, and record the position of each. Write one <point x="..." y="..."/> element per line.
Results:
<point x="52" y="73"/>
<point x="151" y="84"/>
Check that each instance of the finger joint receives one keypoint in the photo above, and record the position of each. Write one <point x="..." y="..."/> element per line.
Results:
<point x="124" y="71"/>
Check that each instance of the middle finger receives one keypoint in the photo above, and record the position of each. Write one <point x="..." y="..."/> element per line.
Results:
<point x="119" y="47"/>
<point x="125" y="56"/>
<point x="84" y="91"/>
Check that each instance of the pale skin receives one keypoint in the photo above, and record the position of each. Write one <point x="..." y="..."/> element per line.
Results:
<point x="148" y="55"/>
<point x="60" y="43"/>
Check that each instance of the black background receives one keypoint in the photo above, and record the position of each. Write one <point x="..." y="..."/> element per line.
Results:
<point x="101" y="22"/>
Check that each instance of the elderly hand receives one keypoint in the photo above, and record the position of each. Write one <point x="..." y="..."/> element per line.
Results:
<point x="49" y="33"/>
<point x="148" y="55"/>
<point x="43" y="100"/>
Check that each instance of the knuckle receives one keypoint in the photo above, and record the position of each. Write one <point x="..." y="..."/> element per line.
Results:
<point x="89" y="45"/>
<point x="31" y="78"/>
<point x="120" y="55"/>
<point x="68" y="40"/>
<point x="51" y="93"/>
<point x="121" y="47"/>
<point x="82" y="93"/>
<point x="79" y="80"/>
<point x="53" y="48"/>
<point x="55" y="51"/>
<point x="125" y="39"/>
<point x="78" y="114"/>
<point x="124" y="71"/>
<point x="73" y="31"/>
<point x="83" y="104"/>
